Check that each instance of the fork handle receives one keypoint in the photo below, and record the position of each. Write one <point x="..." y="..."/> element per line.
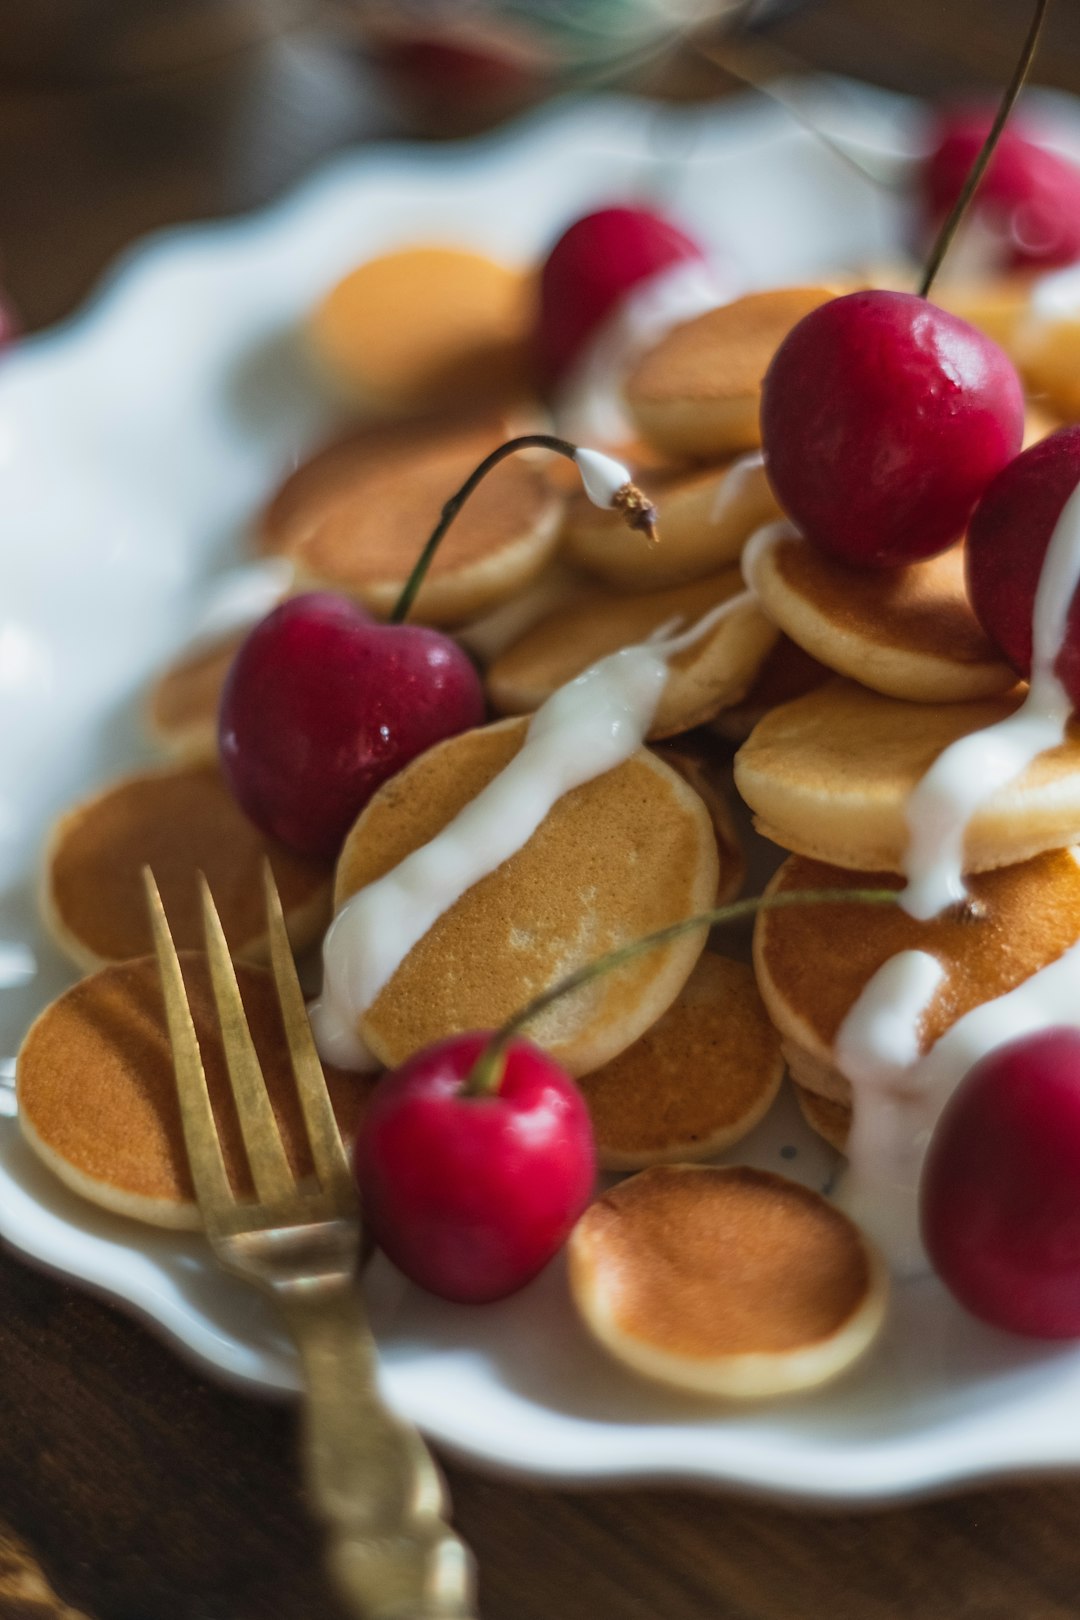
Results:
<point x="370" y="1477"/>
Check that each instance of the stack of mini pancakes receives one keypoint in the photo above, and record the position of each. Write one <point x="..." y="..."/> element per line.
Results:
<point x="844" y="686"/>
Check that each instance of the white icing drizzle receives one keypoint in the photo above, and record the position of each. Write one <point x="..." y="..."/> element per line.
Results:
<point x="876" y="1050"/>
<point x="602" y="476"/>
<point x="585" y="728"/>
<point x="732" y="486"/>
<point x="590" y="403"/>
<point x="972" y="769"/>
<point x="762" y="540"/>
<point x="897" y="1107"/>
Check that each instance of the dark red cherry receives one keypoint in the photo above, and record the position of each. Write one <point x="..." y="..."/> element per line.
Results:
<point x="1028" y="200"/>
<point x="1001" y="1187"/>
<point x="471" y="1195"/>
<point x="590" y="270"/>
<point x="1007" y="540"/>
<point x="323" y="704"/>
<point x="883" y="419"/>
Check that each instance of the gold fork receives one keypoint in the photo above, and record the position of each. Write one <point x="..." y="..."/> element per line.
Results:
<point x="370" y="1477"/>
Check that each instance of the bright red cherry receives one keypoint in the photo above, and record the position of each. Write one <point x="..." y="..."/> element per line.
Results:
<point x="883" y="419"/>
<point x="1001" y="1188"/>
<point x="1007" y="540"/>
<point x="1028" y="201"/>
<point x="595" y="263"/>
<point x="470" y="1196"/>
<point x="323" y="704"/>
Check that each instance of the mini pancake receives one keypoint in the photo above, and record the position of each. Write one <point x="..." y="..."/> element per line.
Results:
<point x="717" y="670"/>
<point x="831" y="1120"/>
<point x="788" y="672"/>
<point x="97" y="1094"/>
<point x="626" y="853"/>
<point x="696" y="1082"/>
<point x="356" y="516"/>
<point x="830" y="774"/>
<point x="182" y="705"/>
<point x="423" y="328"/>
<point x="558" y="586"/>
<point x="706" y="514"/>
<point x="697" y="392"/>
<point x="813" y="962"/>
<point x="178" y="820"/>
<point x="908" y="632"/>
<point x="710" y="779"/>
<point x="726" y="1282"/>
<point x="996" y="305"/>
<point x="1047" y="354"/>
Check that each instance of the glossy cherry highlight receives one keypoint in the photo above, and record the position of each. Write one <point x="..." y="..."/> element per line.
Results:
<point x="323" y="704"/>
<point x="1007" y="541"/>
<point x="595" y="263"/>
<point x="472" y="1195"/>
<point x="1001" y="1188"/>
<point x="883" y="420"/>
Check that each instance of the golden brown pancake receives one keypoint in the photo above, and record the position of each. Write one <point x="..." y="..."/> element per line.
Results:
<point x="996" y="305"/>
<point x="830" y="775"/>
<point x="356" y="516"/>
<point x="696" y="1082"/>
<point x="696" y="393"/>
<point x="97" y="1094"/>
<point x="709" y="775"/>
<point x="813" y="962"/>
<point x="706" y="513"/>
<point x="831" y="1120"/>
<point x="908" y="632"/>
<point x="557" y="587"/>
<point x="182" y="705"/>
<point x="788" y="672"/>
<point x="715" y="671"/>
<point x="424" y="328"/>
<point x="178" y="820"/>
<point x="629" y="852"/>
<point x="726" y="1282"/>
<point x="1047" y="352"/>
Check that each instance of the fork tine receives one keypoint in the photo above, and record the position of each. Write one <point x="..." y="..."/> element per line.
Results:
<point x="270" y="1171"/>
<point x="212" y="1190"/>
<point x="327" y="1152"/>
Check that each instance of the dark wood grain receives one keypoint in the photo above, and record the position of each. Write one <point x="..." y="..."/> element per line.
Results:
<point x="148" y="1493"/>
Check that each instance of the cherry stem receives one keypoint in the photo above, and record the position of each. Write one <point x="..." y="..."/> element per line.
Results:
<point x="635" y="508"/>
<point x="986" y="151"/>
<point x="486" y="1074"/>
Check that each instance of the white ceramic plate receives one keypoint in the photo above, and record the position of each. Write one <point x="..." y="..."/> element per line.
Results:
<point x="134" y="443"/>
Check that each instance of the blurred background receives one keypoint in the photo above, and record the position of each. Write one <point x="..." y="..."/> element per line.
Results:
<point x="119" y="116"/>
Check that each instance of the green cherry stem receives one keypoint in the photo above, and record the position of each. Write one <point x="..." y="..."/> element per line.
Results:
<point x="636" y="509"/>
<point x="986" y="151"/>
<point x="487" y="1071"/>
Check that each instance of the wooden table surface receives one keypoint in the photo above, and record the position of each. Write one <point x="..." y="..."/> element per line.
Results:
<point x="146" y="1492"/>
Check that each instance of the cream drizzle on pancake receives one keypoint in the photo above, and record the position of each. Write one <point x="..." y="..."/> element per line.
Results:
<point x="589" y="404"/>
<point x="974" y="768"/>
<point x="587" y="727"/>
<point x="732" y="486"/>
<point x="900" y="1113"/>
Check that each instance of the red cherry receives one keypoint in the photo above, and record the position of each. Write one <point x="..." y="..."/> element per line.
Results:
<point x="1001" y="1188"/>
<point x="594" y="264"/>
<point x="471" y="1195"/>
<point x="1029" y="198"/>
<point x="883" y="419"/>
<point x="323" y="704"/>
<point x="1007" y="540"/>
